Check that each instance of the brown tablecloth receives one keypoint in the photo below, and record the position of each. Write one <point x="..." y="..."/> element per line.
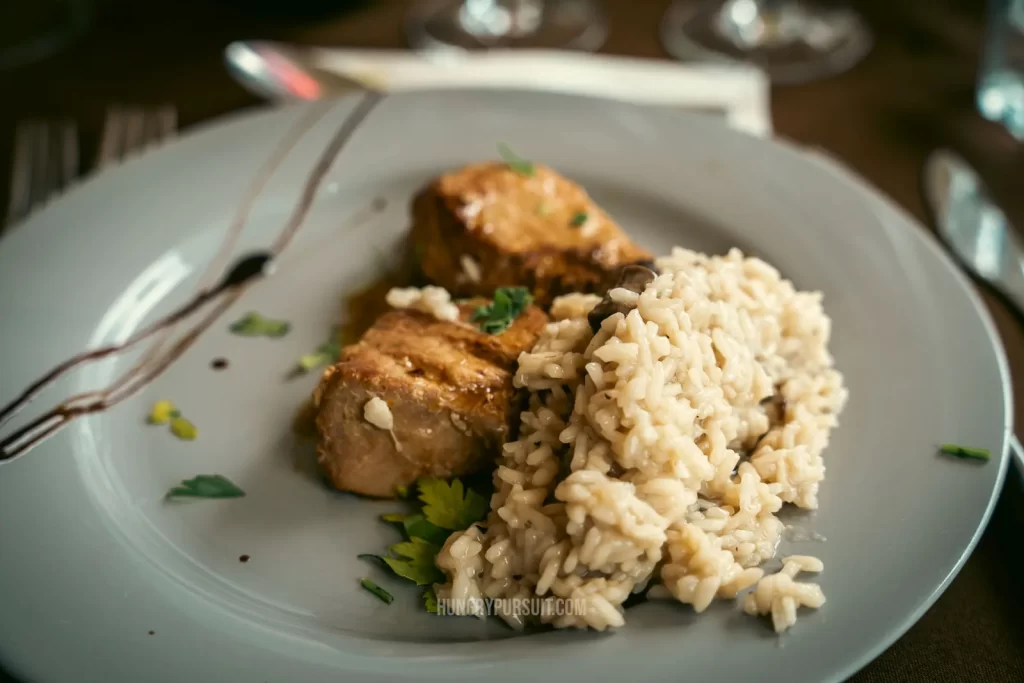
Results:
<point x="912" y="94"/>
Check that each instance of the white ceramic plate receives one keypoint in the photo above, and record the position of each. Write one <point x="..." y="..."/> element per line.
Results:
<point x="93" y="558"/>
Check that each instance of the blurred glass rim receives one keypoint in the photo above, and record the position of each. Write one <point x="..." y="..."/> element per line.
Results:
<point x="78" y="16"/>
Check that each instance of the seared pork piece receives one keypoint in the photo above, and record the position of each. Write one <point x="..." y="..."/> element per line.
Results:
<point x="450" y="403"/>
<point x="487" y="226"/>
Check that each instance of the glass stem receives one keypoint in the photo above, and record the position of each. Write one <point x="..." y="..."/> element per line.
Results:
<point x="504" y="17"/>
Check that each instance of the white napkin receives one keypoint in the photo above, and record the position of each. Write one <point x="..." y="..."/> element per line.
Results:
<point x="737" y="92"/>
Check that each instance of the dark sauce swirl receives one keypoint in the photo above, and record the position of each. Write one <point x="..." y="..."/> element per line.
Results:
<point x="238" y="278"/>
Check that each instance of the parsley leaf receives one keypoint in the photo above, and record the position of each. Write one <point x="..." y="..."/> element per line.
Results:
<point x="516" y="162"/>
<point x="382" y="595"/>
<point x="965" y="452"/>
<point x="578" y="219"/>
<point x="415" y="561"/>
<point x="443" y="507"/>
<point x="450" y="506"/>
<point x="430" y="600"/>
<point x="508" y="303"/>
<point x="417" y="526"/>
<point x="206" y="486"/>
<point x="255" y="325"/>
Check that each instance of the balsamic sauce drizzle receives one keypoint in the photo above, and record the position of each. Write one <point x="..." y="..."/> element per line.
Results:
<point x="232" y="285"/>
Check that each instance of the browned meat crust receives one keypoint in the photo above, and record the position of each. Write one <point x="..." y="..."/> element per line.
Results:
<point x="543" y="232"/>
<point x="449" y="389"/>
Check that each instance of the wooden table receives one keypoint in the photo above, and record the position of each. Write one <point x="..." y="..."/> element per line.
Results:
<point x="912" y="94"/>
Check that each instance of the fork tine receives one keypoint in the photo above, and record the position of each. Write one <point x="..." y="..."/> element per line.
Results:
<point x="41" y="166"/>
<point x="69" y="159"/>
<point x="54" y="170"/>
<point x="110" y="144"/>
<point x="134" y="132"/>
<point x="160" y="125"/>
<point x="168" y="116"/>
<point x="21" y="173"/>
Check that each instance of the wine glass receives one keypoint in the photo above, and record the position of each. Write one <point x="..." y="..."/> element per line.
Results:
<point x="793" y="41"/>
<point x="434" y="25"/>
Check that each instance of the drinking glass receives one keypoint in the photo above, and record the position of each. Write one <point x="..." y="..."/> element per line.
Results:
<point x="1001" y="81"/>
<point x="793" y="41"/>
<point x="481" y="24"/>
<point x="31" y="30"/>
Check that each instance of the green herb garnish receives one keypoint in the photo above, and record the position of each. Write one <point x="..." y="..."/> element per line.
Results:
<point x="325" y="354"/>
<point x="402" y="491"/>
<point x="416" y="526"/>
<point x="516" y="162"/>
<point x="415" y="561"/>
<point x="382" y="595"/>
<point x="508" y="303"/>
<point x="578" y="219"/>
<point x="255" y="325"/>
<point x="449" y="505"/>
<point x="206" y="486"/>
<point x="183" y="429"/>
<point x="161" y="413"/>
<point x="444" y="507"/>
<point x="164" y="412"/>
<point x="430" y="600"/>
<point x="543" y="209"/>
<point x="964" y="452"/>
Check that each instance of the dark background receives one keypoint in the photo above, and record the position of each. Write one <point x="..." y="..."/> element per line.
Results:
<point x="913" y="93"/>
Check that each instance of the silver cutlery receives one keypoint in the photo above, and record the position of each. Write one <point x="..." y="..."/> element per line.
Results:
<point x="978" y="233"/>
<point x="129" y="131"/>
<point x="45" y="163"/>
<point x="973" y="226"/>
<point x="278" y="73"/>
<point x="46" y="153"/>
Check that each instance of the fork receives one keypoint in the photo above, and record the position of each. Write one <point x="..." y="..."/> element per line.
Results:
<point x="45" y="162"/>
<point x="131" y="130"/>
<point x="46" y="159"/>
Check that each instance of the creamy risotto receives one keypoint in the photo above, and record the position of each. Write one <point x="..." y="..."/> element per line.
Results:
<point x="657" y="451"/>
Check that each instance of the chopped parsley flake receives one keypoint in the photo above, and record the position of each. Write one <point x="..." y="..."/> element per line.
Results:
<point x="382" y="595"/>
<point x="578" y="219"/>
<point x="964" y="452"/>
<point x="164" y="412"/>
<point x="497" y="316"/>
<point x="161" y="413"/>
<point x="255" y="325"/>
<point x="183" y="429"/>
<point x="516" y="162"/>
<point x="543" y="209"/>
<point x="325" y="354"/>
<point x="206" y="486"/>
